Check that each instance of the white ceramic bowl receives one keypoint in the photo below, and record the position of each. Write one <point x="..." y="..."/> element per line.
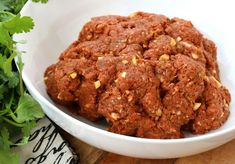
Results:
<point x="58" y="24"/>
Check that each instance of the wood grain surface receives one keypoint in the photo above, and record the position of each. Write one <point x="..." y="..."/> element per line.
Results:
<point x="90" y="155"/>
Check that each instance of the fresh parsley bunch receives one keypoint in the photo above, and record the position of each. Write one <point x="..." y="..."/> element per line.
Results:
<point x="18" y="110"/>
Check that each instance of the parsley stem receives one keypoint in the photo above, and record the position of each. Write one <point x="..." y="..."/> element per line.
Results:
<point x="13" y="123"/>
<point x="4" y="112"/>
<point x="12" y="115"/>
<point x="21" y="85"/>
<point x="20" y="67"/>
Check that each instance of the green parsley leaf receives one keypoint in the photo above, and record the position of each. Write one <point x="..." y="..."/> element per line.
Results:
<point x="7" y="65"/>
<point x="18" y="110"/>
<point x="17" y="5"/>
<point x="7" y="157"/>
<point x="4" y="139"/>
<point x="20" y="63"/>
<point x="42" y="1"/>
<point x="13" y="6"/>
<point x="13" y="81"/>
<point x="3" y="90"/>
<point x="4" y="16"/>
<point x="28" y="109"/>
<point x="26" y="129"/>
<point x="18" y="24"/>
<point x="4" y="5"/>
<point x="26" y="132"/>
<point x="5" y="38"/>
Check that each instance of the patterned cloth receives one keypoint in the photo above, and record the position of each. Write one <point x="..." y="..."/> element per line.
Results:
<point x="46" y="146"/>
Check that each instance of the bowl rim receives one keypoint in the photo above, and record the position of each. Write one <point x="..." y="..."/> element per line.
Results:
<point x="106" y="133"/>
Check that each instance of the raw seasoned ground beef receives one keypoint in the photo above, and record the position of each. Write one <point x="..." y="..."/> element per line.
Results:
<point x="148" y="75"/>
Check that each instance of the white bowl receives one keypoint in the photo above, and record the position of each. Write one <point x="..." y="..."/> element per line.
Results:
<point x="58" y="24"/>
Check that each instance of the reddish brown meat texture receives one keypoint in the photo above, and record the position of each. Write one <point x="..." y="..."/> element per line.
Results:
<point x="214" y="109"/>
<point x="147" y="75"/>
<point x="72" y="81"/>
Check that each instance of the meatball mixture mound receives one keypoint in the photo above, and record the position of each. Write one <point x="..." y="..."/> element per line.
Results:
<point x="147" y="75"/>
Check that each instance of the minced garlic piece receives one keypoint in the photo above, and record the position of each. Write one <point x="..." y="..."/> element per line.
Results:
<point x="134" y="60"/>
<point x="186" y="44"/>
<point x="124" y="61"/>
<point x="45" y="78"/>
<point x="115" y="116"/>
<point x="73" y="75"/>
<point x="164" y="57"/>
<point x="196" y="106"/>
<point x="217" y="82"/>
<point x="123" y="74"/>
<point x="173" y="42"/>
<point x="59" y="96"/>
<point x="97" y="84"/>
<point x="195" y="56"/>
<point x="178" y="39"/>
<point x="133" y="14"/>
<point x="159" y="112"/>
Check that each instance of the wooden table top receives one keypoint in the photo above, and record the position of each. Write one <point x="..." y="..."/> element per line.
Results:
<point x="224" y="154"/>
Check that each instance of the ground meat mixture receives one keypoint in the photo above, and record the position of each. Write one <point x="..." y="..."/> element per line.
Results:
<point x="147" y="75"/>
